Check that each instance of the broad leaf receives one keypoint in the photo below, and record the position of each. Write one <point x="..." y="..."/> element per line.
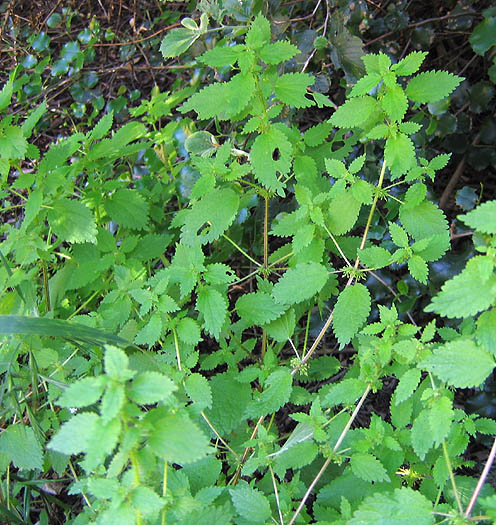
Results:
<point x="350" y="312"/>
<point x="251" y="504"/>
<point x="354" y="112"/>
<point x="483" y="218"/>
<point x="178" y="41"/>
<point x="258" y="308"/>
<point x="72" y="437"/>
<point x="431" y="86"/>
<point x="368" y="468"/>
<point x="300" y="283"/>
<point x="291" y="88"/>
<point x="213" y="305"/>
<point x="72" y="221"/>
<point x="276" y="393"/>
<point x="407" y="385"/>
<point x="83" y="392"/>
<point x="150" y="387"/>
<point x="20" y="445"/>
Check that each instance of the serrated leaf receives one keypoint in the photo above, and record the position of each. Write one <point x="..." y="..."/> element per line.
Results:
<point x="72" y="437"/>
<point x="13" y="143"/>
<point x="343" y="213"/>
<point x="354" y="112"/>
<point x="440" y="161"/>
<point x="395" y="103"/>
<point x="344" y="392"/>
<point x="282" y="328"/>
<point x="128" y="208"/>
<point x="210" y="216"/>
<point x="20" y="445"/>
<point x="278" y="52"/>
<point x="460" y="363"/>
<point x="251" y="504"/>
<point x="178" y="41"/>
<point x="368" y="468"/>
<point x="176" y="439"/>
<point x="188" y="331"/>
<point x="407" y="385"/>
<point x="221" y="56"/>
<point x="362" y="191"/>
<point x="483" y="218"/>
<point x="317" y="134"/>
<point x="381" y="131"/>
<point x="199" y="391"/>
<point x="151" y="332"/>
<point x="6" y="94"/>
<point x="375" y="257"/>
<point x="258" y="308"/>
<point x="102" y="127"/>
<point x="410" y="64"/>
<point x="468" y="293"/>
<point x="418" y="268"/>
<point x="485" y="425"/>
<point x="150" y="387"/>
<point x="398" y="235"/>
<point x="213" y="305"/>
<point x="72" y="221"/>
<point x="350" y="312"/>
<point x="259" y="33"/>
<point x="486" y="330"/>
<point x="404" y="506"/>
<point x="431" y="86"/>
<point x="365" y="84"/>
<point x="291" y="88"/>
<point x="440" y="418"/>
<point x="276" y="393"/>
<point x="82" y="392"/>
<point x="415" y="195"/>
<point x="303" y="237"/>
<point x="399" y="154"/>
<point x="146" y="501"/>
<point x="300" y="283"/>
<point x="422" y="439"/>
<point x="264" y="160"/>
<point x="101" y="443"/>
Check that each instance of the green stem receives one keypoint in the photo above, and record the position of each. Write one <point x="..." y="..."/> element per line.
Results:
<point x="249" y="257"/>
<point x="164" y="492"/>
<point x="452" y="478"/>
<point x="136" y="476"/>
<point x="176" y="345"/>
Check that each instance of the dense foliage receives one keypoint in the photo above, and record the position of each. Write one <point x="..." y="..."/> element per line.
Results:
<point x="221" y="303"/>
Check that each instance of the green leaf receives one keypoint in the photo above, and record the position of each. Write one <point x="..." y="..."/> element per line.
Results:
<point x="418" y="268"/>
<point x="199" y="391"/>
<point x="150" y="387"/>
<point x="368" y="468"/>
<point x="350" y="312"/>
<point x="343" y="213"/>
<point x="468" y="293"/>
<point x="398" y="235"/>
<point x="72" y="437"/>
<point x="128" y="208"/>
<point x="116" y="364"/>
<point x="259" y="33"/>
<point x="410" y="64"/>
<point x="483" y="37"/>
<point x="460" y="363"/>
<point x="407" y="385"/>
<point x="178" y="41"/>
<point x="291" y="88"/>
<point x="20" y="445"/>
<point x="221" y="56"/>
<point x="276" y="393"/>
<point x="213" y="305"/>
<point x="354" y="112"/>
<point x="188" y="331"/>
<point x="82" y="393"/>
<point x="344" y="392"/>
<point x="72" y="221"/>
<point x="317" y="134"/>
<point x="375" y="257"/>
<point x="303" y="237"/>
<point x="258" y="308"/>
<point x="251" y="504"/>
<point x="146" y="501"/>
<point x="101" y="442"/>
<point x="399" y="154"/>
<point x="278" y="52"/>
<point x="6" y="94"/>
<point x="431" y="86"/>
<point x="486" y="330"/>
<point x="210" y="216"/>
<point x="404" y="506"/>
<point x="395" y="103"/>
<point x="422" y="439"/>
<point x="483" y="218"/>
<point x="176" y="439"/>
<point x="102" y="128"/>
<point x="282" y="328"/>
<point x="440" y="419"/>
<point x="365" y="84"/>
<point x="151" y="332"/>
<point x="300" y="283"/>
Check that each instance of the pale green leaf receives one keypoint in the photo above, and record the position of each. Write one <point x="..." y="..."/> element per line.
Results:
<point x="6" y="94"/>
<point x="221" y="56"/>
<point x="72" y="437"/>
<point x="395" y="103"/>
<point x="483" y="218"/>
<point x="344" y="392"/>
<point x="431" y="86"/>
<point x="177" y="42"/>
<point x="343" y="213"/>
<point x="460" y="363"/>
<point x="146" y="501"/>
<point x="440" y="418"/>
<point x="365" y="84"/>
<point x="150" y="387"/>
<point x="259" y="33"/>
<point x="82" y="392"/>
<point x="199" y="391"/>
<point x="368" y="468"/>
<point x="102" y="127"/>
<point x="300" y="283"/>
<point x="278" y="52"/>
<point x="213" y="305"/>
<point x="251" y="504"/>
<point x="291" y="88"/>
<point x="210" y="216"/>
<point x="113" y="401"/>
<point x="176" y="439"/>
<point x="116" y="364"/>
<point x="151" y="332"/>
<point x="72" y="221"/>
<point x="407" y="385"/>
<point x="375" y="257"/>
<point x="276" y="393"/>
<point x="282" y="328"/>
<point x="418" y="268"/>
<point x="20" y="445"/>
<point x="422" y="439"/>
<point x="399" y="154"/>
<point x="258" y="308"/>
<point x="128" y="208"/>
<point x="303" y="237"/>
<point x="350" y="312"/>
<point x="101" y="442"/>
<point x="13" y="143"/>
<point x="486" y="330"/>
<point x="188" y="331"/>
<point x="354" y="112"/>
<point x="409" y="64"/>
<point x="317" y="134"/>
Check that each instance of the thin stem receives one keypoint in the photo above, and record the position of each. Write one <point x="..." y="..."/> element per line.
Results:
<point x="249" y="257"/>
<point x="212" y="428"/>
<point x="266" y="233"/>
<point x="452" y="478"/>
<point x="237" y="474"/>
<point x="482" y="479"/>
<point x="176" y="345"/>
<point x="337" y="245"/>
<point x="164" y="492"/>
<point x="276" y="493"/>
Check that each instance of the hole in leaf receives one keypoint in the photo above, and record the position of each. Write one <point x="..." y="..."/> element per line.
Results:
<point x="276" y="154"/>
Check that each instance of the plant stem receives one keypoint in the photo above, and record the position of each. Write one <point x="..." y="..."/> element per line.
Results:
<point x="249" y="257"/>
<point x="452" y="478"/>
<point x="482" y="479"/>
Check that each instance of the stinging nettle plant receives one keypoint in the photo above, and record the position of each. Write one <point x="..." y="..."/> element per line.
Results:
<point x="189" y="431"/>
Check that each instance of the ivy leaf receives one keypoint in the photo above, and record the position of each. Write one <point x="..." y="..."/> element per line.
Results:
<point x="460" y="363"/>
<point x="18" y="442"/>
<point x="150" y="387"/>
<point x="399" y="154"/>
<point x="82" y="393"/>
<point x="213" y="305"/>
<point x="291" y="88"/>
<point x="418" y="268"/>
<point x="407" y="385"/>
<point x="410" y="64"/>
<point x="72" y="221"/>
<point x="214" y="212"/>
<point x="178" y="41"/>
<point x="258" y="308"/>
<point x="350" y="312"/>
<point x="457" y="297"/>
<point x="483" y="218"/>
<point x="431" y="86"/>
<point x="440" y="418"/>
<point x="354" y="112"/>
<point x="404" y="505"/>
<point x="300" y="283"/>
<point x="276" y="393"/>
<point x="278" y="52"/>
<point x="368" y="468"/>
<point x="176" y="439"/>
<point x="251" y="504"/>
<point x="128" y="208"/>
